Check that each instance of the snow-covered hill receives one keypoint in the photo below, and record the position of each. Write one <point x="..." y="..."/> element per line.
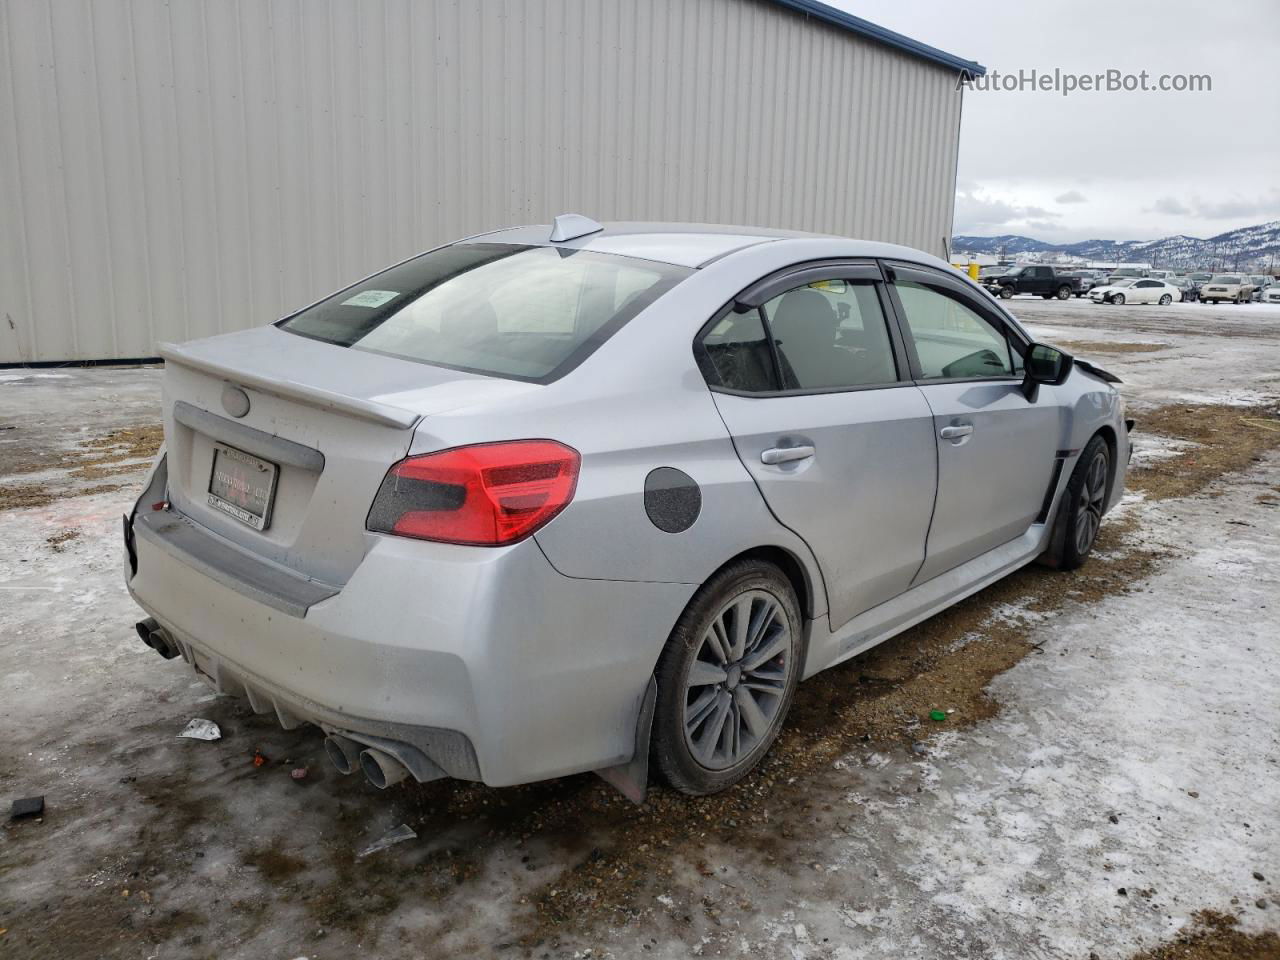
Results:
<point x="1255" y="248"/>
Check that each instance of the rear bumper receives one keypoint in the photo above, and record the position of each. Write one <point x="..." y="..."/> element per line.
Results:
<point x="488" y="661"/>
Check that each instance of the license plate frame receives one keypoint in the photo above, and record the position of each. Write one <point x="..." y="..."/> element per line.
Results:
<point x="242" y="470"/>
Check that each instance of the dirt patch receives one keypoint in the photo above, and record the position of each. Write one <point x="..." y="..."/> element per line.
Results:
<point x="118" y="453"/>
<point x="1215" y="936"/>
<point x="89" y="459"/>
<point x="25" y="495"/>
<point x="130" y="443"/>
<point x="38" y="495"/>
<point x="1227" y="439"/>
<point x="1110" y="346"/>
<point x="59" y="540"/>
<point x="274" y="863"/>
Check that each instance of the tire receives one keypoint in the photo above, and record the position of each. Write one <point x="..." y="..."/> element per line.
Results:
<point x="693" y="755"/>
<point x="1064" y="293"/>
<point x="1118" y="299"/>
<point x="1006" y="293"/>
<point x="1166" y="300"/>
<point x="1080" y="514"/>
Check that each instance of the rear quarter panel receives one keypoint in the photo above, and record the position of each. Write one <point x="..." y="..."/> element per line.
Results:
<point x="637" y="404"/>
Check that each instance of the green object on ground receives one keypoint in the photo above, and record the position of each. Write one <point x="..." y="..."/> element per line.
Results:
<point x="937" y="715"/>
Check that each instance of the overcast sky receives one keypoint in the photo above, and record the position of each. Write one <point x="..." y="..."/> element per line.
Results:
<point x="1124" y="166"/>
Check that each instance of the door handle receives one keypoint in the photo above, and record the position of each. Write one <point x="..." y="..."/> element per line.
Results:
<point x="956" y="432"/>
<point x="786" y="454"/>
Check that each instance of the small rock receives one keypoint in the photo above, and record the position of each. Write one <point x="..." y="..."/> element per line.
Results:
<point x="919" y="749"/>
<point x="1193" y="795"/>
<point x="1258" y="876"/>
<point x="26" y="807"/>
<point x="1113" y="818"/>
<point x="1260" y="903"/>
<point x="1123" y="892"/>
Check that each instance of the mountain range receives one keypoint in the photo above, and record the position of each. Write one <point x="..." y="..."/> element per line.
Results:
<point x="1256" y="248"/>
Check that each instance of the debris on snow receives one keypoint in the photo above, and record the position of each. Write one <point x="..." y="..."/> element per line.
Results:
<point x="199" y="729"/>
<point x="389" y="839"/>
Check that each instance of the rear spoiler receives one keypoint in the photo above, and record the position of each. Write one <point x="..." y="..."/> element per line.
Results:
<point x="370" y="410"/>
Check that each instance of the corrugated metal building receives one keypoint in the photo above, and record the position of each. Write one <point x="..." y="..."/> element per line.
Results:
<point x="170" y="170"/>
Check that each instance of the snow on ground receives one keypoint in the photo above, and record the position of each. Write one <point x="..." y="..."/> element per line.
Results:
<point x="1139" y="749"/>
<point x="1158" y="707"/>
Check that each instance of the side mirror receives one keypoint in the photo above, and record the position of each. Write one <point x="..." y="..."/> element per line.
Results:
<point x="1044" y="364"/>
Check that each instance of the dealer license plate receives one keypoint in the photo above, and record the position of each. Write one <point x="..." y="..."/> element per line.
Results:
<point x="242" y="485"/>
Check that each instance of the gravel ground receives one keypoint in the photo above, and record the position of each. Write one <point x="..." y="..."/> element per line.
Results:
<point x="1112" y="766"/>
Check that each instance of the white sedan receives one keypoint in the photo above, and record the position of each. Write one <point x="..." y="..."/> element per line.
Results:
<point x="1137" y="290"/>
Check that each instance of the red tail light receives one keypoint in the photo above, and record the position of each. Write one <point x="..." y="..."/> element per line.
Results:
<point x="487" y="494"/>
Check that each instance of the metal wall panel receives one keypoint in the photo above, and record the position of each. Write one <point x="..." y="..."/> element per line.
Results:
<point x="175" y="169"/>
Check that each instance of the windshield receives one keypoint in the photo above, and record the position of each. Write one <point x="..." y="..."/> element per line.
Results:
<point x="1224" y="279"/>
<point x="524" y="312"/>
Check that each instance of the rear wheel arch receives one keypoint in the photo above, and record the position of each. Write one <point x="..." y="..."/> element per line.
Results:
<point x="792" y="567"/>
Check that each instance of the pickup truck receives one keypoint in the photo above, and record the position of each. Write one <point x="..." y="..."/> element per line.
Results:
<point x="1045" y="281"/>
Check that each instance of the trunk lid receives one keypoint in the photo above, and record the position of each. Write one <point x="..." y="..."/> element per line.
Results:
<point x="330" y="420"/>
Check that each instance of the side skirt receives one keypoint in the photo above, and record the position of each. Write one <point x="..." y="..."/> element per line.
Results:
<point x="890" y="618"/>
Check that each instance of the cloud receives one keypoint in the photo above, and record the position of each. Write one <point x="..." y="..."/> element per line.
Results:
<point x="977" y="212"/>
<point x="1170" y="206"/>
<point x="1237" y="208"/>
<point x="1071" y="196"/>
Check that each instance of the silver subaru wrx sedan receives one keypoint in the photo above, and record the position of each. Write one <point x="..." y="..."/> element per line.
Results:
<point x="569" y="498"/>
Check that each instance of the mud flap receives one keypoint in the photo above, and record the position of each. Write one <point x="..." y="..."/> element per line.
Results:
<point x="632" y="778"/>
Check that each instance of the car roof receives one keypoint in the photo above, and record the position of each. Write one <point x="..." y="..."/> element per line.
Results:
<point x="685" y="244"/>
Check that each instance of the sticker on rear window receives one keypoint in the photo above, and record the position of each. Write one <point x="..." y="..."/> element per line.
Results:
<point x="371" y="298"/>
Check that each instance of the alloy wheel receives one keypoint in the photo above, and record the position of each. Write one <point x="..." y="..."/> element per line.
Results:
<point x="1089" y="510"/>
<point x="737" y="682"/>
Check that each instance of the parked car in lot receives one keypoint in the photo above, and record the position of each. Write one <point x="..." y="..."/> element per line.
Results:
<point x="1142" y="290"/>
<point x="1087" y="282"/>
<point x="1260" y="283"/>
<point x="558" y="499"/>
<point x="1271" y="294"/>
<point x="1126" y="273"/>
<point x="1189" y="289"/>
<point x="1046" y="282"/>
<point x="1231" y="287"/>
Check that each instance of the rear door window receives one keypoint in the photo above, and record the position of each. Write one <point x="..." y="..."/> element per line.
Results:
<point x="831" y="334"/>
<point x="523" y="312"/>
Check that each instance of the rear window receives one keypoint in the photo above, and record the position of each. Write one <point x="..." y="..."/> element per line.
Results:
<point x="523" y="312"/>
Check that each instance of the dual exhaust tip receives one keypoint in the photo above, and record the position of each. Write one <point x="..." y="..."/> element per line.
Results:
<point x="379" y="768"/>
<point x="157" y="638"/>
